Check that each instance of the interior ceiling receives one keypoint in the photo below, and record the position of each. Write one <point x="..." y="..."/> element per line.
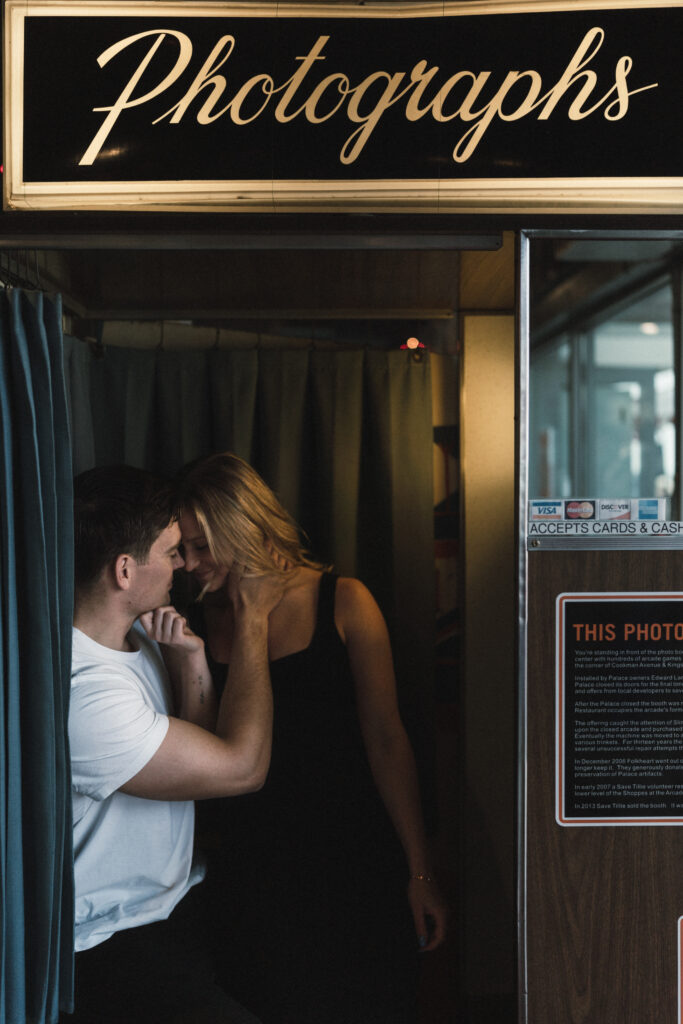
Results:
<point x="243" y="285"/>
<point x="337" y="297"/>
<point x="340" y="284"/>
<point x="574" y="279"/>
<point x="340" y="281"/>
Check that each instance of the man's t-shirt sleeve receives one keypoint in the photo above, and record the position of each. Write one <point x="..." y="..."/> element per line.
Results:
<point x="113" y="733"/>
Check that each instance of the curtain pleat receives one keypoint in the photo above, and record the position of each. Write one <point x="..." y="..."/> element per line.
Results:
<point x="122" y="401"/>
<point x="62" y="967"/>
<point x="409" y="396"/>
<point x="77" y="359"/>
<point x="37" y="605"/>
<point x="344" y="437"/>
<point x="233" y="380"/>
<point x="337" y="398"/>
<point x="282" y="440"/>
<point x="12" y="985"/>
<point x="183" y="418"/>
<point x="376" y="507"/>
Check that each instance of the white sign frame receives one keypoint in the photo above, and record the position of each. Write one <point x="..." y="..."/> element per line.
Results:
<point x="644" y="195"/>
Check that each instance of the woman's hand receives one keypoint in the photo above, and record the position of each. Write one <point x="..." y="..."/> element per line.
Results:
<point x="167" y="626"/>
<point x="185" y="659"/>
<point x="429" y="912"/>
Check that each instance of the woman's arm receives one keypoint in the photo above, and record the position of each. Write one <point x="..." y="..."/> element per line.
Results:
<point x="363" y="629"/>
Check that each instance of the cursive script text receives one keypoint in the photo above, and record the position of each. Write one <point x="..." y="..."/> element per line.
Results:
<point x="472" y="98"/>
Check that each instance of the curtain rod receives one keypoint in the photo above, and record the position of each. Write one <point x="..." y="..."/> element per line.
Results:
<point x="262" y="241"/>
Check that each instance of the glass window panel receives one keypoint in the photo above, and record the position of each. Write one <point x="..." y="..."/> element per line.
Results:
<point x="634" y="410"/>
<point x="550" y="432"/>
<point x="602" y="405"/>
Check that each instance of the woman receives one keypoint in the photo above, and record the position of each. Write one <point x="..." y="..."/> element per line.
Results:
<point x="311" y="874"/>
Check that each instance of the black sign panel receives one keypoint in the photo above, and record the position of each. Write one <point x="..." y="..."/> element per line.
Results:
<point x="195" y="93"/>
<point x="620" y="709"/>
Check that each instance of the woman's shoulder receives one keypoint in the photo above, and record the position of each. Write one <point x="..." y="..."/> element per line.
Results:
<point x="350" y="588"/>
<point x="355" y="608"/>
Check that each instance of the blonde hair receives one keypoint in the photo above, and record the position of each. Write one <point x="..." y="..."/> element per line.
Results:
<point x="240" y="515"/>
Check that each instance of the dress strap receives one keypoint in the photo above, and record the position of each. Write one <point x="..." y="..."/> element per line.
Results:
<point x="324" y="623"/>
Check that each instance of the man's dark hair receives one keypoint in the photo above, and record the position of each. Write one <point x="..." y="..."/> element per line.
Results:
<point x="118" y="510"/>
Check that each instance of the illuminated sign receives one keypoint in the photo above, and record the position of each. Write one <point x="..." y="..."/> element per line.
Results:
<point x="473" y="107"/>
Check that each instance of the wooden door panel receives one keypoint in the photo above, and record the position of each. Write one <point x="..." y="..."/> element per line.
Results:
<point x="602" y="901"/>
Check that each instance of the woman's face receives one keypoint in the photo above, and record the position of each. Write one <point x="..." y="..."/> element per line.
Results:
<point x="198" y="560"/>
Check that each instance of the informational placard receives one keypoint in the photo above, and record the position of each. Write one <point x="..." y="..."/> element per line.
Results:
<point x="619" y="709"/>
<point x="541" y="105"/>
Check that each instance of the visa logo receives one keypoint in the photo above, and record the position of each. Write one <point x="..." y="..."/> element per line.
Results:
<point x="546" y="509"/>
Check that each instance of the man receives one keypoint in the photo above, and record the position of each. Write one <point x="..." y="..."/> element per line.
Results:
<point x="146" y="740"/>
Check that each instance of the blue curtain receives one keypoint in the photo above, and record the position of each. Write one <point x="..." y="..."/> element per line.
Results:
<point x="36" y="605"/>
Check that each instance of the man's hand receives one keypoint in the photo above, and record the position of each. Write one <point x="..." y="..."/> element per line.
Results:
<point x="167" y="626"/>
<point x="282" y="563"/>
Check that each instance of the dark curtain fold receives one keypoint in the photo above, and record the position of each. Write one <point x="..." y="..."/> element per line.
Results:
<point x="281" y="450"/>
<point x="343" y="437"/>
<point x="36" y="606"/>
<point x="232" y="396"/>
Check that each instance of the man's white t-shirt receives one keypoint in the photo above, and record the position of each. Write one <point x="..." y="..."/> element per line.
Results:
<point x="132" y="856"/>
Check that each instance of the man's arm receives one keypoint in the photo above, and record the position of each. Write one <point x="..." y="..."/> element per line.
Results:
<point x="193" y="763"/>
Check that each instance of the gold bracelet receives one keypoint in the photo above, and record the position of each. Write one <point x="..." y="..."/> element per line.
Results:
<point x="421" y="878"/>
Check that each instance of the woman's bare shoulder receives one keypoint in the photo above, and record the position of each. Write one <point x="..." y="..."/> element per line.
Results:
<point x="349" y="588"/>
<point x="355" y="609"/>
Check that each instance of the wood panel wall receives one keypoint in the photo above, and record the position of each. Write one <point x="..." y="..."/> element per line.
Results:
<point x="603" y="901"/>
<point x="327" y="282"/>
<point x="486" y="912"/>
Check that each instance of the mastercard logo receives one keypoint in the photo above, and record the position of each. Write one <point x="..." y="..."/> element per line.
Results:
<point x="580" y="510"/>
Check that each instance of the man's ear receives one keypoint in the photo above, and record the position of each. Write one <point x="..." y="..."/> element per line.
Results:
<point x="123" y="571"/>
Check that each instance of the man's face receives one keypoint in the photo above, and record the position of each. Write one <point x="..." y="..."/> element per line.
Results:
<point x="153" y="579"/>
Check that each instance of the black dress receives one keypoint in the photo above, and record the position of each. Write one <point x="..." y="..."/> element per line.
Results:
<point x="308" y="876"/>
